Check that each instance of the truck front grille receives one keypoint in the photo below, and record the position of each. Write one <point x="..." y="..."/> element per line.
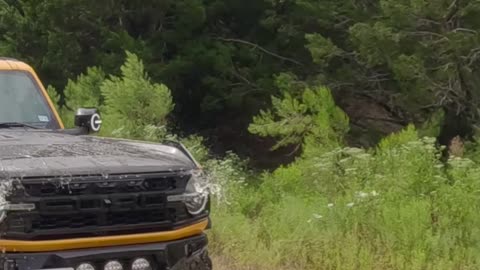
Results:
<point x="97" y="205"/>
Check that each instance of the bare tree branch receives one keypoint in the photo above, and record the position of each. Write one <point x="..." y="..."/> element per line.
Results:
<point x="343" y="22"/>
<point x="466" y="30"/>
<point x="427" y="33"/>
<point x="336" y="85"/>
<point x="239" y="76"/>
<point x="425" y="21"/>
<point x="256" y="46"/>
<point x="445" y="67"/>
<point x="295" y="150"/>
<point x="452" y="10"/>
<point x="473" y="58"/>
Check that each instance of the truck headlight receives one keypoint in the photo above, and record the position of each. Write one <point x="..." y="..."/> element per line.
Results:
<point x="196" y="193"/>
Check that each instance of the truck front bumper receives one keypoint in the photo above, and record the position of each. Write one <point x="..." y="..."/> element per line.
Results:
<point x="178" y="254"/>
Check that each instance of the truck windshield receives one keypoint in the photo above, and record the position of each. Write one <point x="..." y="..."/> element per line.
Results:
<point x="22" y="101"/>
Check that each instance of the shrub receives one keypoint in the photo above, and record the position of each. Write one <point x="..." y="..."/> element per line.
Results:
<point x="398" y="206"/>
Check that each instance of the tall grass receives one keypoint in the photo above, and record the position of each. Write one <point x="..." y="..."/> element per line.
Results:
<point x="398" y="206"/>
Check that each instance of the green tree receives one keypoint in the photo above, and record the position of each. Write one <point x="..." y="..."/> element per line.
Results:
<point x="404" y="60"/>
<point x="427" y="53"/>
<point x="132" y="101"/>
<point x="314" y="120"/>
<point x="131" y="105"/>
<point x="84" y="92"/>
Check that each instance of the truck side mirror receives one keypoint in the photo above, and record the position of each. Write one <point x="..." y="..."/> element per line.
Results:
<point x="88" y="119"/>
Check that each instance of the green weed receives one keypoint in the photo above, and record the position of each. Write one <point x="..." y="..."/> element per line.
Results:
<point x="398" y="206"/>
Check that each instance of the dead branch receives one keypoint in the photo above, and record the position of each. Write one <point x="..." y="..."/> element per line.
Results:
<point x="425" y="21"/>
<point x="342" y="23"/>
<point x="239" y="76"/>
<point x="473" y="58"/>
<point x="452" y="10"/>
<point x="383" y="119"/>
<point x="256" y="46"/>
<point x="465" y="30"/>
<point x="444" y="67"/>
<point x="427" y="33"/>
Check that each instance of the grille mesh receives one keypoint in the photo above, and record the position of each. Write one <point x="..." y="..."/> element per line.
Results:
<point x="94" y="205"/>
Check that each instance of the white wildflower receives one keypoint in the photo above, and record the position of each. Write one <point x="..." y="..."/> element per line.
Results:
<point x="353" y="151"/>
<point x="317" y="216"/>
<point x="362" y="194"/>
<point x="330" y="205"/>
<point x="414" y="143"/>
<point x="430" y="147"/>
<point x="429" y="140"/>
<point x="374" y="193"/>
<point x="350" y="205"/>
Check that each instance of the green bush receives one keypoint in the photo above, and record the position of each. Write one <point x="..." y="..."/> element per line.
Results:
<point x="398" y="206"/>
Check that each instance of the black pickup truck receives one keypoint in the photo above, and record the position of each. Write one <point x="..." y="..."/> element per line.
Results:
<point x="73" y="201"/>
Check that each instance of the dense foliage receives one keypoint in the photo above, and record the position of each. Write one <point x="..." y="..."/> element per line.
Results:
<point x="400" y="205"/>
<point x="316" y="77"/>
<point x="387" y="62"/>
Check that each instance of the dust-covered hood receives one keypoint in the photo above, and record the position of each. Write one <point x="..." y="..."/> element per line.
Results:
<point x="36" y="153"/>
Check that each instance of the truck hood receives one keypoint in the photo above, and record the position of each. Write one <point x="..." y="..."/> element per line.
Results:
<point x="32" y="153"/>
